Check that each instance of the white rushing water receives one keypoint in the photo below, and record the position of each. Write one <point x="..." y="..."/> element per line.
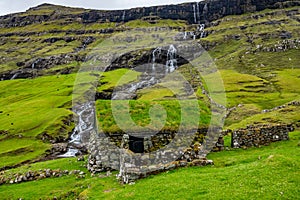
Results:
<point x="14" y="76"/>
<point x="171" y="64"/>
<point x="195" y="14"/>
<point x="128" y="91"/>
<point x="201" y="30"/>
<point x="187" y="35"/>
<point x="151" y="75"/>
<point x="84" y="125"/>
<point x="198" y="11"/>
<point x="155" y="53"/>
<point x="123" y="16"/>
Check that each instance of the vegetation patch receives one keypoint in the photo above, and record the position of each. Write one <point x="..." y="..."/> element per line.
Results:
<point x="266" y="172"/>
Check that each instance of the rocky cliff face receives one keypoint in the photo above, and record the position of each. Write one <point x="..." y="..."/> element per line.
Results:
<point x="204" y="11"/>
<point x="61" y="36"/>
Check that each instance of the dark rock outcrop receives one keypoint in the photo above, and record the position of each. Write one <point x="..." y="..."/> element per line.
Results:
<point x="209" y="10"/>
<point x="137" y="58"/>
<point x="34" y="67"/>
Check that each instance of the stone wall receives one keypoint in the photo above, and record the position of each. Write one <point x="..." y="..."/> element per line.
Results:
<point x="255" y="136"/>
<point x="133" y="167"/>
<point x="14" y="178"/>
<point x="154" y="142"/>
<point x="114" y="153"/>
<point x="108" y="153"/>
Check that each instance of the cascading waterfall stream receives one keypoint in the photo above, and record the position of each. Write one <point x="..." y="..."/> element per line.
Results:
<point x="185" y="35"/>
<point x="127" y="91"/>
<point x="151" y="74"/>
<point x="14" y="76"/>
<point x="171" y="64"/>
<point x="155" y="53"/>
<point x="195" y="14"/>
<point x="33" y="64"/>
<point x="201" y="30"/>
<point x="123" y="16"/>
<point x="84" y="125"/>
<point x="198" y="12"/>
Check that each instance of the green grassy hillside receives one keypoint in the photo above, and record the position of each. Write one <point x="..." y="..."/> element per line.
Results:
<point x="257" y="55"/>
<point x="268" y="172"/>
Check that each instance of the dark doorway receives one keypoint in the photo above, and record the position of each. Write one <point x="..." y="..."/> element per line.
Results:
<point x="136" y="144"/>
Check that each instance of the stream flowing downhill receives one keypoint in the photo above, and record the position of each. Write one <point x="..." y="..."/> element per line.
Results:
<point x="84" y="125"/>
<point x="151" y="74"/>
<point x="14" y="76"/>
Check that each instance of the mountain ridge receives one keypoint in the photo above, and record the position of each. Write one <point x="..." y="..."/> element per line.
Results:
<point x="207" y="11"/>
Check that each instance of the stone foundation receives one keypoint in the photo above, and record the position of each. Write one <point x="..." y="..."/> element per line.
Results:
<point x="115" y="153"/>
<point x="105" y="149"/>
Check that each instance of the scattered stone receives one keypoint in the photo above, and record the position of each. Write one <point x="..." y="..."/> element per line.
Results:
<point x="37" y="175"/>
<point x="80" y="158"/>
<point x="108" y="173"/>
<point x="81" y="173"/>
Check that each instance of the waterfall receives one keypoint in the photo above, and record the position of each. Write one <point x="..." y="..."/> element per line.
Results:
<point x="148" y="77"/>
<point x="205" y="9"/>
<point x="171" y="59"/>
<point x="14" y="76"/>
<point x="195" y="15"/>
<point x="198" y="11"/>
<point x="84" y="125"/>
<point x="70" y="153"/>
<point x="127" y="91"/>
<point x="124" y="14"/>
<point x="155" y="53"/>
<point x="185" y="35"/>
<point x="34" y="63"/>
<point x="201" y="30"/>
<point x="201" y="27"/>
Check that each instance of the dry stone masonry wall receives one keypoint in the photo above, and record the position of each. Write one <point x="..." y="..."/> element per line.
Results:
<point x="254" y="136"/>
<point x="104" y="147"/>
<point x="38" y="175"/>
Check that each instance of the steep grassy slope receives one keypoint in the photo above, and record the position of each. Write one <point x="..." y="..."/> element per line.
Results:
<point x="33" y="112"/>
<point x="258" y="55"/>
